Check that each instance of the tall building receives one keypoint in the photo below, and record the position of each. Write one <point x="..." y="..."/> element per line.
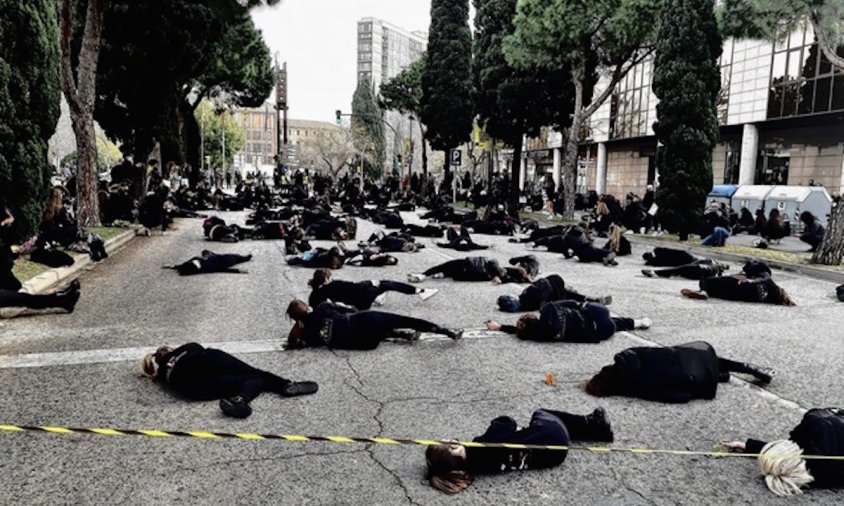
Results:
<point x="384" y="50"/>
<point x="781" y="108"/>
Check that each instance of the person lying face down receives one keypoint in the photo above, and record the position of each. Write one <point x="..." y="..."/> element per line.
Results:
<point x="475" y="269"/>
<point x="786" y="472"/>
<point x="548" y="289"/>
<point x="753" y="284"/>
<point x="360" y="294"/>
<point x="675" y="374"/>
<point x="570" y="322"/>
<point x="316" y="258"/>
<point x="451" y="468"/>
<point x="341" y="327"/>
<point x="201" y="373"/>
<point x="210" y="262"/>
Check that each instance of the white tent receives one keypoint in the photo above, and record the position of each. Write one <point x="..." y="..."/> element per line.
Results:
<point x="751" y="196"/>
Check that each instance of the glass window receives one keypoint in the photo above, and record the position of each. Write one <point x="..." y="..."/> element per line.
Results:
<point x="822" y="94"/>
<point x="795" y="64"/>
<point x="796" y="39"/>
<point x="807" y="97"/>
<point x="775" y="102"/>
<point x="772" y="167"/>
<point x="778" y="69"/>
<point x="790" y="98"/>
<point x="838" y="91"/>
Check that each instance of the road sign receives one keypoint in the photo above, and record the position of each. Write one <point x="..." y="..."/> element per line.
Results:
<point x="456" y="158"/>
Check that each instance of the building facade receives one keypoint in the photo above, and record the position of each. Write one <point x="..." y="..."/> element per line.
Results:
<point x="781" y="110"/>
<point x="384" y="50"/>
<point x="260" y="144"/>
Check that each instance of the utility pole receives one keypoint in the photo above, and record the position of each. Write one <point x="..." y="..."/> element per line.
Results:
<point x="281" y="115"/>
<point x="223" y="129"/>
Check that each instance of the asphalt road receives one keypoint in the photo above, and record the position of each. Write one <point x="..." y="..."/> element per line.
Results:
<point x="81" y="370"/>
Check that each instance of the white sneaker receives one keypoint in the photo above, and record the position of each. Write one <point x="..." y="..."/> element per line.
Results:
<point x="415" y="278"/>
<point x="379" y="301"/>
<point x="642" y="324"/>
<point x="438" y="275"/>
<point x="428" y="293"/>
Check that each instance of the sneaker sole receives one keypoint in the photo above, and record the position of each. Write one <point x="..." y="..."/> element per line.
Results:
<point x="233" y="410"/>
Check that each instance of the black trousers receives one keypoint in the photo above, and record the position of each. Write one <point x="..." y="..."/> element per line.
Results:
<point x="696" y="271"/>
<point x="670" y="257"/>
<point x="10" y="298"/>
<point x="451" y="269"/>
<point x="214" y="374"/>
<point x="365" y="330"/>
<point x="385" y="285"/>
<point x="588" y="253"/>
<point x="212" y="262"/>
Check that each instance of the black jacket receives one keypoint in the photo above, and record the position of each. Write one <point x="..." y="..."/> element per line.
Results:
<point x="675" y="374"/>
<point x="543" y="290"/>
<point x="544" y="429"/>
<point x="480" y="269"/>
<point x="359" y="295"/>
<point x="821" y="432"/>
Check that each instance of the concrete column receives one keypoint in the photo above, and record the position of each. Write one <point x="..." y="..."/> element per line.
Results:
<point x="558" y="165"/>
<point x="601" y="169"/>
<point x="749" y="153"/>
<point x="522" y="172"/>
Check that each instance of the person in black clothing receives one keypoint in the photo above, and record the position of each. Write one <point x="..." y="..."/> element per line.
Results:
<point x="753" y="284"/>
<point x="58" y="227"/>
<point x="839" y="292"/>
<point x="394" y="242"/>
<point x="539" y="233"/>
<point x="452" y="467"/>
<point x="435" y="231"/>
<point x="210" y="262"/>
<point x="332" y="258"/>
<point x="813" y="231"/>
<point x="473" y="269"/>
<point x="675" y="374"/>
<point x="389" y="219"/>
<point x="669" y="257"/>
<point x="361" y="294"/>
<point x="696" y="271"/>
<point x="820" y="433"/>
<point x="549" y="289"/>
<point x="776" y="227"/>
<point x="206" y="373"/>
<point x="570" y="321"/>
<point x="461" y="241"/>
<point x="345" y="328"/>
<point x="63" y="299"/>
<point x="528" y="263"/>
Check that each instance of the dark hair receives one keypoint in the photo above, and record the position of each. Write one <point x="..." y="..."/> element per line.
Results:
<point x="526" y="326"/>
<point x="321" y="278"/>
<point x="596" y="386"/>
<point x="446" y="472"/>
<point x="335" y="258"/>
<point x="807" y="217"/>
<point x="516" y="274"/>
<point x="297" y="309"/>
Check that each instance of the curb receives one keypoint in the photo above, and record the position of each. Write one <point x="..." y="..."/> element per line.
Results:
<point x="46" y="280"/>
<point x="805" y="270"/>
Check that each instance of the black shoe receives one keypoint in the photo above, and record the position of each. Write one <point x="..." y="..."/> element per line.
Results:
<point x="452" y="334"/>
<point x="648" y="273"/>
<point x="235" y="407"/>
<point x="294" y="389"/>
<point x="407" y="334"/>
<point x="763" y="375"/>
<point x="606" y="300"/>
<point x="70" y="299"/>
<point x="599" y="426"/>
<point x="73" y="286"/>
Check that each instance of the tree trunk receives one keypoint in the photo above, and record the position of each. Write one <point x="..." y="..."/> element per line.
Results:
<point x="80" y="91"/>
<point x="515" y="177"/>
<point x="831" y="249"/>
<point x="569" y="177"/>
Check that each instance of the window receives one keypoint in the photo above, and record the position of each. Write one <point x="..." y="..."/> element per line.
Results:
<point x="731" y="163"/>
<point x="802" y="80"/>
<point x="772" y="167"/>
<point x="630" y="103"/>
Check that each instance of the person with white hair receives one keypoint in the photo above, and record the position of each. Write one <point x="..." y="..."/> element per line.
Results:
<point x="786" y="471"/>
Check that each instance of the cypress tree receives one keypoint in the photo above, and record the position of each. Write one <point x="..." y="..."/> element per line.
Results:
<point x="29" y="106"/>
<point x="686" y="81"/>
<point x="368" y="127"/>
<point x="447" y="79"/>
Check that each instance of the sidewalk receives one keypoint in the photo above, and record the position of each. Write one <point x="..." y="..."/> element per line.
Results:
<point x="791" y="255"/>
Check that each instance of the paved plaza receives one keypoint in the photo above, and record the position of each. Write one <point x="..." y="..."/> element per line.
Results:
<point x="81" y="370"/>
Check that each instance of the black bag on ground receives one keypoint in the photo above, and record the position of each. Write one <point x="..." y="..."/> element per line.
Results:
<point x="51" y="258"/>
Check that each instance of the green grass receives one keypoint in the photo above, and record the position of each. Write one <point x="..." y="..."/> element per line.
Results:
<point x="25" y="270"/>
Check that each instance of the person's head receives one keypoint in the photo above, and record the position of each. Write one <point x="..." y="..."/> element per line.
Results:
<point x="298" y="310"/>
<point x="152" y="362"/>
<point x="526" y="326"/>
<point x="601" y="385"/>
<point x="335" y="258"/>
<point x="601" y="209"/>
<point x="447" y="470"/>
<point x="807" y="217"/>
<point x="784" y="468"/>
<point x="321" y="277"/>
<point x="509" y="304"/>
<point x="55" y="203"/>
<point x="774" y="214"/>
<point x="517" y="274"/>
<point x="783" y="298"/>
<point x="339" y="235"/>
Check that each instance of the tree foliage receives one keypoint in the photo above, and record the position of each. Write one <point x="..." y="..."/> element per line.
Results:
<point x="403" y="93"/>
<point x="368" y="128"/>
<point x="29" y="106"/>
<point x="329" y="150"/>
<point x="218" y="127"/>
<point x="687" y="79"/>
<point x="446" y="105"/>
<point x="613" y="35"/>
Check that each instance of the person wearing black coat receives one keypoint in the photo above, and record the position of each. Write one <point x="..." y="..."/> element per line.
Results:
<point x="461" y="241"/>
<point x="345" y="328"/>
<point x="463" y="269"/>
<point x="669" y="257"/>
<point x="451" y="467"/>
<point x="206" y="373"/>
<point x="361" y="294"/>
<point x="570" y="321"/>
<point x="548" y="289"/>
<point x="820" y="433"/>
<point x="209" y="262"/>
<point x="675" y="374"/>
<point x="813" y="231"/>
<point x="753" y="284"/>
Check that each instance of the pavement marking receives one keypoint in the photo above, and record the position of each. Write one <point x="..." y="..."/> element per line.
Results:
<point x="110" y="355"/>
<point x="387" y="441"/>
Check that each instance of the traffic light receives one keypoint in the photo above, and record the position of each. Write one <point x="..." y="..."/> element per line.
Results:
<point x="339" y="117"/>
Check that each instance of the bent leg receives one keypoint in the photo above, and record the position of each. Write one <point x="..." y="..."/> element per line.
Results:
<point x="9" y="298"/>
<point x="396" y="286"/>
<point x="448" y="269"/>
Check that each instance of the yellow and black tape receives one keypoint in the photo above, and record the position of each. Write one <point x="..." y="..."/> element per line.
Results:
<point x="249" y="436"/>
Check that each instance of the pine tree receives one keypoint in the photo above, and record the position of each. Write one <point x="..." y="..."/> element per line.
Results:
<point x="368" y="127"/>
<point x="29" y="107"/>
<point x="447" y="79"/>
<point x="686" y="81"/>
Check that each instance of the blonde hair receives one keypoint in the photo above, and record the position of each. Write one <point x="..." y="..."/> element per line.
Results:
<point x="615" y="238"/>
<point x="784" y="468"/>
